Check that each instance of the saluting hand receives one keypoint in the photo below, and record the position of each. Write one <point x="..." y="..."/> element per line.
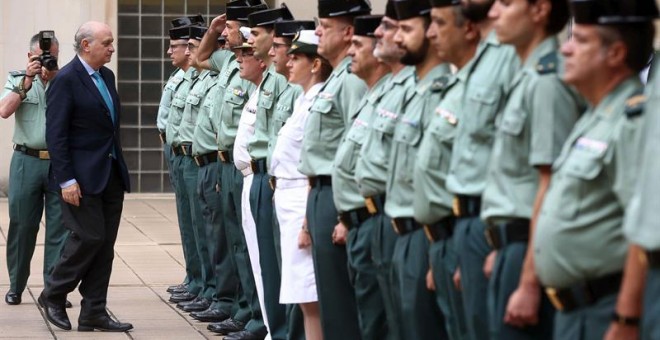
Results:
<point x="219" y="23"/>
<point x="72" y="194"/>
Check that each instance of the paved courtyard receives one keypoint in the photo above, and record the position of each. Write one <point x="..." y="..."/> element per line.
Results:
<point x="148" y="258"/>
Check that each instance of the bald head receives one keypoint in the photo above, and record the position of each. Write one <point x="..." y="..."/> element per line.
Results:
<point x="93" y="43"/>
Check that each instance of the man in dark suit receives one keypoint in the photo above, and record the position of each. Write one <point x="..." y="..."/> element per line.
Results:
<point x="82" y="132"/>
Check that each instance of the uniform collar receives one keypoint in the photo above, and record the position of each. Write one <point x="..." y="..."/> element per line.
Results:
<point x="616" y="99"/>
<point x="547" y="46"/>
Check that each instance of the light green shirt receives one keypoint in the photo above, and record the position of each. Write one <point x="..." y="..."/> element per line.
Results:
<point x="373" y="162"/>
<point x="641" y="223"/>
<point x="176" y="78"/>
<point x="178" y="105"/>
<point x="204" y="137"/>
<point x="283" y="110"/>
<point x="485" y="95"/>
<point x="30" y="116"/>
<point x="345" y="192"/>
<point x="431" y="200"/>
<point x="194" y="101"/>
<point x="410" y="128"/>
<point x="539" y="114"/>
<point x="329" y="117"/>
<point x="269" y="90"/>
<point x="579" y="233"/>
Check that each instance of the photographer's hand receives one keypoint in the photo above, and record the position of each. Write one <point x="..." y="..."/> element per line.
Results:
<point x="32" y="69"/>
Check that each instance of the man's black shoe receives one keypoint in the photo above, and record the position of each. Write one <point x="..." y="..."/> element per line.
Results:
<point x="197" y="306"/>
<point x="182" y="304"/>
<point x="245" y="335"/>
<point x="12" y="298"/>
<point x="180" y="287"/>
<point x="225" y="327"/>
<point x="182" y="297"/>
<point x="210" y="315"/>
<point x="55" y="314"/>
<point x="103" y="323"/>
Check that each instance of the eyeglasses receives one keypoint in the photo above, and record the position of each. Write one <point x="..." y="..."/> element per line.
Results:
<point x="278" y="45"/>
<point x="173" y="46"/>
<point x="191" y="46"/>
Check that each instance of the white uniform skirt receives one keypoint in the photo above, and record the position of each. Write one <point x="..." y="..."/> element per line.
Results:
<point x="298" y="281"/>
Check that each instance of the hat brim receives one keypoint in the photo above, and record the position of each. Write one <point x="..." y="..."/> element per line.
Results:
<point x="303" y="48"/>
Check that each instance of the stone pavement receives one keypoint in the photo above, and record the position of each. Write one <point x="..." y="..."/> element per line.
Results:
<point x="148" y="258"/>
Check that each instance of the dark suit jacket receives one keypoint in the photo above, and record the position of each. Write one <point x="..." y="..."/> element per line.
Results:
<point x="79" y="130"/>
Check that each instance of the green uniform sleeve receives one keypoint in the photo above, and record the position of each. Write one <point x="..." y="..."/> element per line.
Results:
<point x="350" y="97"/>
<point x="625" y="159"/>
<point x="219" y="59"/>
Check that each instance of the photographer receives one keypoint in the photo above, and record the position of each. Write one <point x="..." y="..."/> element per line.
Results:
<point x="24" y="96"/>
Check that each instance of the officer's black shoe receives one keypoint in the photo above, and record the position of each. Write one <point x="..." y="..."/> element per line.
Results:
<point x="182" y="304"/>
<point x="246" y="335"/>
<point x="12" y="298"/>
<point x="55" y="314"/>
<point x="210" y="315"/>
<point x="103" y="323"/>
<point x="225" y="327"/>
<point x="197" y="306"/>
<point x="187" y="296"/>
<point x="179" y="287"/>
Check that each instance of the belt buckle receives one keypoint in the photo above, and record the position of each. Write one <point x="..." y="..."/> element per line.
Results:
<point x="643" y="257"/>
<point x="198" y="161"/>
<point x="490" y="238"/>
<point x="43" y="154"/>
<point x="395" y="226"/>
<point x="162" y="138"/>
<point x="553" y="296"/>
<point x="184" y="150"/>
<point x="221" y="154"/>
<point x="272" y="183"/>
<point x="456" y="206"/>
<point x="429" y="234"/>
<point x="370" y="203"/>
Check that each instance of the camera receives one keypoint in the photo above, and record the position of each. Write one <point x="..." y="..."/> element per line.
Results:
<point x="47" y="60"/>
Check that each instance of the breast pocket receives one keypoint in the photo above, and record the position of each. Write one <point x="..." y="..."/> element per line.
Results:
<point x="31" y="107"/>
<point x="482" y="104"/>
<point x="435" y="148"/>
<point x="409" y="134"/>
<point x="513" y="122"/>
<point x="322" y="122"/>
<point x="235" y="102"/>
<point x="581" y="170"/>
<point x="265" y="108"/>
<point x="281" y="114"/>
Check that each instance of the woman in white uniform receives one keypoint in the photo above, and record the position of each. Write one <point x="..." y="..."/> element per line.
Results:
<point x="308" y="70"/>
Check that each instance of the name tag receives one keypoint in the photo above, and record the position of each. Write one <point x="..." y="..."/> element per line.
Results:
<point x="407" y="121"/>
<point x="360" y="123"/>
<point x="591" y="145"/>
<point x="326" y="95"/>
<point x="387" y="114"/>
<point x="447" y="115"/>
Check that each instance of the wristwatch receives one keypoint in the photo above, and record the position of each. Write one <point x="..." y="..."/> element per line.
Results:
<point x="632" y="321"/>
<point x="21" y="93"/>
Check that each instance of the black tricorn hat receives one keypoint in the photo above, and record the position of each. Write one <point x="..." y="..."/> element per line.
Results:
<point x="244" y="3"/>
<point x="406" y="9"/>
<point x="241" y="13"/>
<point x="445" y="3"/>
<point x="178" y="33"/>
<point x="613" y="12"/>
<point x="269" y="17"/>
<point x="197" y="20"/>
<point x="366" y="24"/>
<point x="338" y="8"/>
<point x="197" y="32"/>
<point x="390" y="11"/>
<point x="288" y="29"/>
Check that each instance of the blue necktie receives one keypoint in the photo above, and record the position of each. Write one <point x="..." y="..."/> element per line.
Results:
<point x="105" y="93"/>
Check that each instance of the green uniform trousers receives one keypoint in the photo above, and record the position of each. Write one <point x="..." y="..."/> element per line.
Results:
<point x="371" y="311"/>
<point x="503" y="282"/>
<point x="382" y="247"/>
<point x="420" y="316"/>
<point x="444" y="260"/>
<point x="28" y="194"/>
<point x="339" y="318"/>
<point x="261" y="204"/>
<point x="650" y="324"/>
<point x="587" y="323"/>
<point x="231" y="187"/>
<point x="168" y="156"/>
<point x="472" y="251"/>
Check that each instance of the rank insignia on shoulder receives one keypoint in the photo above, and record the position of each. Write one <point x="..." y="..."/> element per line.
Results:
<point x="635" y="105"/>
<point x="548" y="63"/>
<point x="17" y="73"/>
<point x="439" y="83"/>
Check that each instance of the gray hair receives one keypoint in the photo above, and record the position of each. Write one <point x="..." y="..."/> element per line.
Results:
<point x="34" y="42"/>
<point x="84" y="32"/>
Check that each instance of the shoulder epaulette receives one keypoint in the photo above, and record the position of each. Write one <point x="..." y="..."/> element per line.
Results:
<point x="17" y="73"/>
<point x="548" y="63"/>
<point x="635" y="104"/>
<point x="439" y="83"/>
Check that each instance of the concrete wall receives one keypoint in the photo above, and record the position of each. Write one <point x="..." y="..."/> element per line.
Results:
<point x="19" y="20"/>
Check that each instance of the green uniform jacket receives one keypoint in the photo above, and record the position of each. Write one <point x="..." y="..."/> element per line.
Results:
<point x="269" y="90"/>
<point x="176" y="78"/>
<point x="283" y="110"/>
<point x="194" y="101"/>
<point x="204" y="137"/>
<point x="30" y="116"/>
<point x="178" y="105"/>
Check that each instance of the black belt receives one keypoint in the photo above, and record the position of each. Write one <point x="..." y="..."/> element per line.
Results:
<point x="514" y="231"/>
<point x="375" y="204"/>
<point x="467" y="206"/>
<point x="183" y="149"/>
<point x="41" y="154"/>
<point x="258" y="166"/>
<point x="440" y="230"/>
<point x="585" y="293"/>
<point x="653" y="258"/>
<point x="205" y="159"/>
<point x="162" y="137"/>
<point x="226" y="156"/>
<point x="318" y="181"/>
<point x="404" y="225"/>
<point x="354" y="218"/>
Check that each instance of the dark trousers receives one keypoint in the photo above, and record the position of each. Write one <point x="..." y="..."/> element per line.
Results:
<point x="89" y="250"/>
<point x="28" y="195"/>
<point x="261" y="204"/>
<point x="371" y="311"/>
<point x="472" y="250"/>
<point x="503" y="282"/>
<point x="420" y="316"/>
<point x="339" y="318"/>
<point x="382" y="248"/>
<point x="231" y="187"/>
<point x="586" y="323"/>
